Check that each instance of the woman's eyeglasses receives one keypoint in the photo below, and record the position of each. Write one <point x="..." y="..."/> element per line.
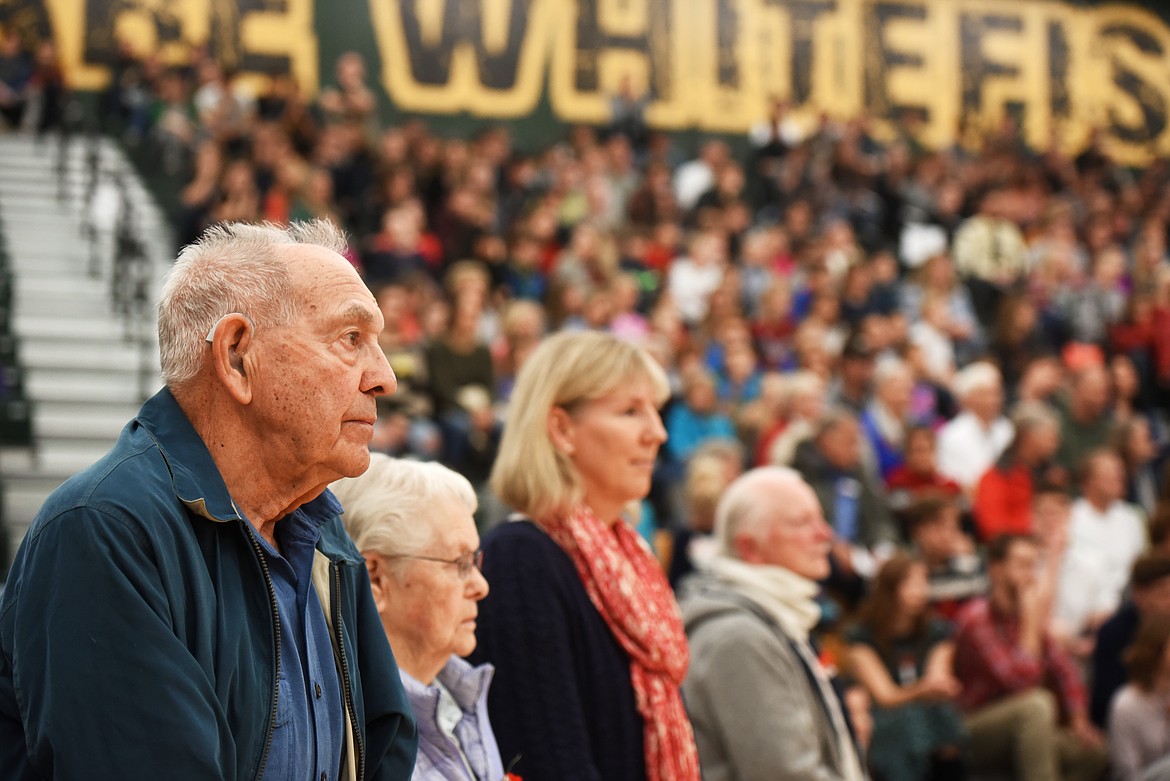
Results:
<point x="463" y="564"/>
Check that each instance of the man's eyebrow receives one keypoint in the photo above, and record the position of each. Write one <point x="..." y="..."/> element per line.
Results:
<point x="357" y="312"/>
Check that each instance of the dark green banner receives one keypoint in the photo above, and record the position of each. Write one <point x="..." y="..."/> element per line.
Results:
<point x="706" y="65"/>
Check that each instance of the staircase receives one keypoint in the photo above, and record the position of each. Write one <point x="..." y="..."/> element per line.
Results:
<point x="86" y="367"/>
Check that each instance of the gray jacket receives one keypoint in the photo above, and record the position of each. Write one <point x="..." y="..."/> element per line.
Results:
<point x="756" y="712"/>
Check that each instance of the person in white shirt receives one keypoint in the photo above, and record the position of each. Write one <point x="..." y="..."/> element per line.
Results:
<point x="695" y="177"/>
<point x="695" y="277"/>
<point x="972" y="442"/>
<point x="777" y="130"/>
<point x="990" y="251"/>
<point x="931" y="335"/>
<point x="1105" y="536"/>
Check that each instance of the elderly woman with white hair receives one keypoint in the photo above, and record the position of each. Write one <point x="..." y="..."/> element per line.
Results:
<point x="581" y="624"/>
<point x="413" y="523"/>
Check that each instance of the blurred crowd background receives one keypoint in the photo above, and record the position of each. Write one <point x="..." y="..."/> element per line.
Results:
<point x="921" y="332"/>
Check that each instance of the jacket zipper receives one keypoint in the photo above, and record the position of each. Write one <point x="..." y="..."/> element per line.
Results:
<point x="346" y="687"/>
<point x="276" y="638"/>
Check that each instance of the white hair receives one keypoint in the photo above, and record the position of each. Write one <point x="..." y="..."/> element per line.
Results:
<point x="888" y="368"/>
<point x="981" y="374"/>
<point x="804" y="382"/>
<point x="390" y="508"/>
<point x="233" y="267"/>
<point x="1029" y="415"/>
<point x="744" y="510"/>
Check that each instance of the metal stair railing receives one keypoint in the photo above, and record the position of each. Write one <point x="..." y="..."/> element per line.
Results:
<point x="119" y="250"/>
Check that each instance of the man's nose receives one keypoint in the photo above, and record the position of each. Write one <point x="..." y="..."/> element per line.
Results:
<point x="379" y="378"/>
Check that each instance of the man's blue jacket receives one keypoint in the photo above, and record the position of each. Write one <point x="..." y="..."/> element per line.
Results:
<point x="138" y="635"/>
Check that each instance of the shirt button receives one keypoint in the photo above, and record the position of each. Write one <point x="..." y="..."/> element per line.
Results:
<point x="317" y="690"/>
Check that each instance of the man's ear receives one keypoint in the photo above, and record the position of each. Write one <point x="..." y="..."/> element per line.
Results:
<point x="746" y="548"/>
<point x="560" y="431"/>
<point x="230" y="340"/>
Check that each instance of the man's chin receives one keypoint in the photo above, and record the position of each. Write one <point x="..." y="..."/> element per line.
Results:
<point x="356" y="464"/>
<point x="819" y="573"/>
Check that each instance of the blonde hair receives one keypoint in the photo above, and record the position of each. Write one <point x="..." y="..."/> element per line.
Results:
<point x="803" y="382"/>
<point x="463" y="273"/>
<point x="233" y="267"/>
<point x="390" y="508"/>
<point x="711" y="469"/>
<point x="519" y="313"/>
<point x="530" y="474"/>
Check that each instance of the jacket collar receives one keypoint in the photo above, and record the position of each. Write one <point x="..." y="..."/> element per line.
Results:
<point x="197" y="482"/>
<point x="199" y="485"/>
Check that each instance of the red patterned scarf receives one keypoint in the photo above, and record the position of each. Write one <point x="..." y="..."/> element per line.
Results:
<point x="628" y="588"/>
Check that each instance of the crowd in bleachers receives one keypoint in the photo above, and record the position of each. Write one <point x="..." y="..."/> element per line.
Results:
<point x="949" y="344"/>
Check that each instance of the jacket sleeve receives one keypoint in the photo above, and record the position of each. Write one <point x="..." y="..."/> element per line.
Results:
<point x="750" y="695"/>
<point x="997" y="658"/>
<point x="1067" y="677"/>
<point x="91" y="641"/>
<point x="535" y="701"/>
<point x="990" y="499"/>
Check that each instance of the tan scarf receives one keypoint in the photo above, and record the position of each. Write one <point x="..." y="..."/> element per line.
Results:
<point x="789" y="598"/>
<point x="626" y="585"/>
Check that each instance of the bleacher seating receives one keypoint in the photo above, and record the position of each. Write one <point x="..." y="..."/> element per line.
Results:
<point x="15" y="409"/>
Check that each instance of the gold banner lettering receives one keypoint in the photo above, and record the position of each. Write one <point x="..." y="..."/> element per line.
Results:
<point x="711" y="65"/>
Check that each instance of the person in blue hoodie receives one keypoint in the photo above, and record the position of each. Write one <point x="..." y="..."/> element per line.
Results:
<point x="696" y="417"/>
<point x="190" y="606"/>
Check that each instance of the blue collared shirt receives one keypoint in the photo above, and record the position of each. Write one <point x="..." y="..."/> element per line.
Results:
<point x="310" y="729"/>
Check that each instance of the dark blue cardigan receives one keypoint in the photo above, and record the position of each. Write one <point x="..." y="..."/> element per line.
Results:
<point x="561" y="699"/>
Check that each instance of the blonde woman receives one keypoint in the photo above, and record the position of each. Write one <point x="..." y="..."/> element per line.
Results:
<point x="581" y="625"/>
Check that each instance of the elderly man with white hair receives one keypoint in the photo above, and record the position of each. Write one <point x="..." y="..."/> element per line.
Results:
<point x="970" y="443"/>
<point x="413" y="523"/>
<point x="761" y="704"/>
<point x="190" y="607"/>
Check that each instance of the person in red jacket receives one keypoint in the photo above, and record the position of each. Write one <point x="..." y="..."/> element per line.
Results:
<point x="1003" y="496"/>
<point x="1146" y="331"/>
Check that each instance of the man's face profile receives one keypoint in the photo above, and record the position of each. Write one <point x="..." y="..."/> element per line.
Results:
<point x="316" y="380"/>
